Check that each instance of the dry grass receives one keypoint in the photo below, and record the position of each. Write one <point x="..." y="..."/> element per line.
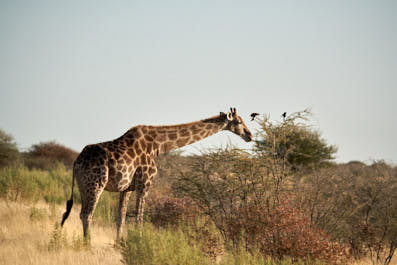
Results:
<point x="25" y="241"/>
<point x="368" y="262"/>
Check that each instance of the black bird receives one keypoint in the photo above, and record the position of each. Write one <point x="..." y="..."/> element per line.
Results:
<point x="253" y="115"/>
<point x="284" y="115"/>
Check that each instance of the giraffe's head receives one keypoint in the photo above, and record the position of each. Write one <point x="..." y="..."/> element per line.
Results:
<point x="236" y="125"/>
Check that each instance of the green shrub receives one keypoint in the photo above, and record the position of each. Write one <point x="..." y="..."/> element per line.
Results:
<point x="293" y="141"/>
<point x="9" y="153"/>
<point x="159" y="246"/>
<point x="18" y="183"/>
<point x="106" y="209"/>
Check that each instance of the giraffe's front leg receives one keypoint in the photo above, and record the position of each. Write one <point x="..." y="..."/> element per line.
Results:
<point x="142" y="188"/>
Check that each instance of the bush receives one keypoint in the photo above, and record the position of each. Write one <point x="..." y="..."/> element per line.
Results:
<point x="106" y="209"/>
<point x="170" y="211"/>
<point x="45" y="155"/>
<point x="245" y="197"/>
<point x="9" y="153"/>
<point x="284" y="232"/>
<point x="159" y="246"/>
<point x="19" y="183"/>
<point x="356" y="204"/>
<point x="372" y="228"/>
<point x="294" y="142"/>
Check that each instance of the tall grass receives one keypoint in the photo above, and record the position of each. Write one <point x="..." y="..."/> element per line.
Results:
<point x="160" y="246"/>
<point x="28" y="236"/>
<point x="18" y="183"/>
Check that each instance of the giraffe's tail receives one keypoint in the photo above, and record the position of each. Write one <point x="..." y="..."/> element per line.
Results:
<point x="69" y="205"/>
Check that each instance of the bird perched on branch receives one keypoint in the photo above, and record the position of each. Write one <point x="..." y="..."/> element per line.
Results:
<point x="253" y="115"/>
<point x="284" y="115"/>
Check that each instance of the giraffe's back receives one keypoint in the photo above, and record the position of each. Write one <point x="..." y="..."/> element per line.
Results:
<point x="90" y="167"/>
<point x="118" y="159"/>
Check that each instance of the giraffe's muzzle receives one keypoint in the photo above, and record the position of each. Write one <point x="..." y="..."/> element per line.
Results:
<point x="247" y="136"/>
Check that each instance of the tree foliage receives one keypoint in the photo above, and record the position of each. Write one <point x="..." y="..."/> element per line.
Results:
<point x="45" y="155"/>
<point x="250" y="197"/>
<point x="293" y="141"/>
<point x="357" y="205"/>
<point x="250" y="204"/>
<point x="8" y="149"/>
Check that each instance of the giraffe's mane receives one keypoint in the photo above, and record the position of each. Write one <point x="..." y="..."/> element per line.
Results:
<point x="213" y="119"/>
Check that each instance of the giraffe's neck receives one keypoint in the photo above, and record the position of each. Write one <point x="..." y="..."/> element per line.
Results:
<point x="167" y="138"/>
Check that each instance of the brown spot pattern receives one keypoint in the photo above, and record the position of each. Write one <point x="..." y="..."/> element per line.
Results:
<point x="131" y="152"/>
<point x="148" y="138"/>
<point x="143" y="159"/>
<point x="182" y="142"/>
<point x="184" y="132"/>
<point x="172" y="136"/>
<point x="152" y="171"/>
<point x="161" y="137"/>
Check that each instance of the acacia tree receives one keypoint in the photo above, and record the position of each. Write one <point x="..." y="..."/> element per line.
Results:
<point x="357" y="205"/>
<point x="8" y="149"/>
<point x="293" y="142"/>
<point x="45" y="155"/>
<point x="374" y="222"/>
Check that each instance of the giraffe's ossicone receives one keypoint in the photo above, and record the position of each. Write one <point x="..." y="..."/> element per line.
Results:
<point x="127" y="163"/>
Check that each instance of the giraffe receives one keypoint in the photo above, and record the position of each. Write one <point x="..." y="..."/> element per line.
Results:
<point x="127" y="164"/>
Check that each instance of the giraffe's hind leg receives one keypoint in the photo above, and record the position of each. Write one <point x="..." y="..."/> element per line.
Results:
<point x="142" y="188"/>
<point x="91" y="171"/>
<point x="89" y="199"/>
<point x="123" y="203"/>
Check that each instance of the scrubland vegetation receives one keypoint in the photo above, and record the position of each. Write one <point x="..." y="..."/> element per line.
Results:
<point x="284" y="202"/>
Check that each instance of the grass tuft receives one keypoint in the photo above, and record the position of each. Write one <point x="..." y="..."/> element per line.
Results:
<point x="58" y="239"/>
<point x="150" y="245"/>
<point x="37" y="215"/>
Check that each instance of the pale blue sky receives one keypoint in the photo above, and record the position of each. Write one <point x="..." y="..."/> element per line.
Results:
<point x="82" y="72"/>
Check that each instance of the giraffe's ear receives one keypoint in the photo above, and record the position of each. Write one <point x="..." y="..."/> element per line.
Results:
<point x="229" y="116"/>
<point x="233" y="111"/>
